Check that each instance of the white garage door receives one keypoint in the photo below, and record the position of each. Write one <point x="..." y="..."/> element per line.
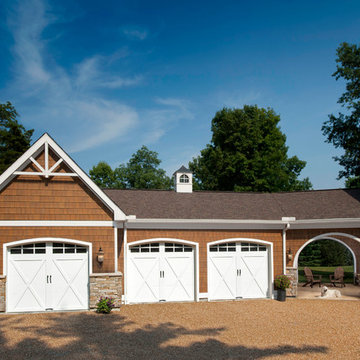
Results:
<point x="238" y="270"/>
<point x="160" y="272"/>
<point x="47" y="276"/>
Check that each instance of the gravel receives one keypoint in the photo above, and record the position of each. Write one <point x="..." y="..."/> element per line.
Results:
<point x="248" y="329"/>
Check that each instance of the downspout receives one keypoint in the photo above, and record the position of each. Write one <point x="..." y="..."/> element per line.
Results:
<point x="286" y="227"/>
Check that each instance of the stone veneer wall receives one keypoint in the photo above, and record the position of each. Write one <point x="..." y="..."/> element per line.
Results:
<point x="2" y="292"/>
<point x="292" y="273"/>
<point x="109" y="285"/>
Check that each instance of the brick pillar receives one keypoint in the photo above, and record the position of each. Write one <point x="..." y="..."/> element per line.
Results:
<point x="109" y="285"/>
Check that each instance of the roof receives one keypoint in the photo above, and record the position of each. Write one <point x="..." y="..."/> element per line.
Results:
<point x="163" y="204"/>
<point x="183" y="169"/>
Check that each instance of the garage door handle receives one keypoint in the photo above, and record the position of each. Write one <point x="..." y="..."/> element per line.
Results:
<point x="47" y="279"/>
<point x="238" y="272"/>
<point x="50" y="279"/>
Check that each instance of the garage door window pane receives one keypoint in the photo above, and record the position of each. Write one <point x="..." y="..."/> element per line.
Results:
<point x="63" y="248"/>
<point x="15" y="250"/>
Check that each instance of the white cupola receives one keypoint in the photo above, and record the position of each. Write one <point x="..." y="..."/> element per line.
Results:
<point x="183" y="180"/>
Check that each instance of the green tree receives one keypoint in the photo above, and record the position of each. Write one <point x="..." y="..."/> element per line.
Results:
<point x="325" y="252"/>
<point x="14" y="138"/>
<point x="103" y="175"/>
<point x="311" y="255"/>
<point x="141" y="172"/>
<point x="343" y="130"/>
<point x="247" y="153"/>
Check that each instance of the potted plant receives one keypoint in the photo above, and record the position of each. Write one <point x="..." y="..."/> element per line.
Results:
<point x="105" y="305"/>
<point x="282" y="282"/>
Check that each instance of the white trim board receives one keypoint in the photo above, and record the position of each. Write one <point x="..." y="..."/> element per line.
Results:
<point x="44" y="142"/>
<point x="56" y="223"/>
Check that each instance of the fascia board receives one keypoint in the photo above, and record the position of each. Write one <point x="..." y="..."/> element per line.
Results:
<point x="239" y="224"/>
<point x="325" y="223"/>
<point x="202" y="224"/>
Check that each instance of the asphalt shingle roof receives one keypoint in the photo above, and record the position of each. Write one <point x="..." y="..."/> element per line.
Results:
<point x="163" y="204"/>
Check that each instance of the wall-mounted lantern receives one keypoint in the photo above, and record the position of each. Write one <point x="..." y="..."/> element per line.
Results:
<point x="290" y="255"/>
<point x="100" y="256"/>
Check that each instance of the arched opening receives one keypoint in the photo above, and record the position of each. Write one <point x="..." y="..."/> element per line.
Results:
<point x="323" y="256"/>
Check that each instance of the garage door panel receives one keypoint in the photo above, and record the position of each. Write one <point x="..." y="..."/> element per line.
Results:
<point x="254" y="280"/>
<point x="144" y="278"/>
<point x="26" y="285"/>
<point x="222" y="275"/>
<point x="69" y="288"/>
<point x="178" y="278"/>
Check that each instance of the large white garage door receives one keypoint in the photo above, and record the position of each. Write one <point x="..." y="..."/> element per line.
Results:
<point x="238" y="270"/>
<point x="47" y="276"/>
<point x="160" y="272"/>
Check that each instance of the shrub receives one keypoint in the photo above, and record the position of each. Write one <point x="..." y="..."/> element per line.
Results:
<point x="105" y="305"/>
<point x="282" y="282"/>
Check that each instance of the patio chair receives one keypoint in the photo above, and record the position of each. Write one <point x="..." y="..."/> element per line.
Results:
<point x="310" y="278"/>
<point x="338" y="277"/>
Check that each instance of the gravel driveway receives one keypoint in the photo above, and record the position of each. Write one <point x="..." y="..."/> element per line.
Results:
<point x="253" y="329"/>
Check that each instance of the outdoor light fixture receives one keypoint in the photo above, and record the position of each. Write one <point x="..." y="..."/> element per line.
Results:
<point x="100" y="256"/>
<point x="289" y="255"/>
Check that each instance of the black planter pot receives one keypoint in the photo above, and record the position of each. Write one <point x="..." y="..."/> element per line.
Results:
<point x="281" y="295"/>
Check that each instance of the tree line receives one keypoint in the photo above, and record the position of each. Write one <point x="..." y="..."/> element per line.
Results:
<point x="247" y="150"/>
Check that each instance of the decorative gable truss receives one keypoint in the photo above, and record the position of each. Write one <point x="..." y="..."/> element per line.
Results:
<point x="46" y="144"/>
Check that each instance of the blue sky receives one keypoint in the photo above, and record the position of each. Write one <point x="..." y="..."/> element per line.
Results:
<point x="104" y="78"/>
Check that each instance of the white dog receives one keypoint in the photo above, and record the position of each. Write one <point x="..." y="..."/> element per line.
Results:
<point x="325" y="292"/>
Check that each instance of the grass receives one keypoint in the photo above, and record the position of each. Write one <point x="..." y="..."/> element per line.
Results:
<point x="325" y="271"/>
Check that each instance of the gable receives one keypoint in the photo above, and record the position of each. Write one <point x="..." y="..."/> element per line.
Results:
<point x="46" y="184"/>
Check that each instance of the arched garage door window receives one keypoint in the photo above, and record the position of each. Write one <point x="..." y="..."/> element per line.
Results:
<point x="47" y="276"/>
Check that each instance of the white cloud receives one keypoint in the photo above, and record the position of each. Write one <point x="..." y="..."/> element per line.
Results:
<point x="134" y="32"/>
<point x="90" y="75"/>
<point x="66" y="99"/>
<point x="161" y="119"/>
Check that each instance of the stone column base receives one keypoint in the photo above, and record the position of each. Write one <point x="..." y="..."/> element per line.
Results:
<point x="108" y="284"/>
<point x="292" y="273"/>
<point x="2" y="293"/>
